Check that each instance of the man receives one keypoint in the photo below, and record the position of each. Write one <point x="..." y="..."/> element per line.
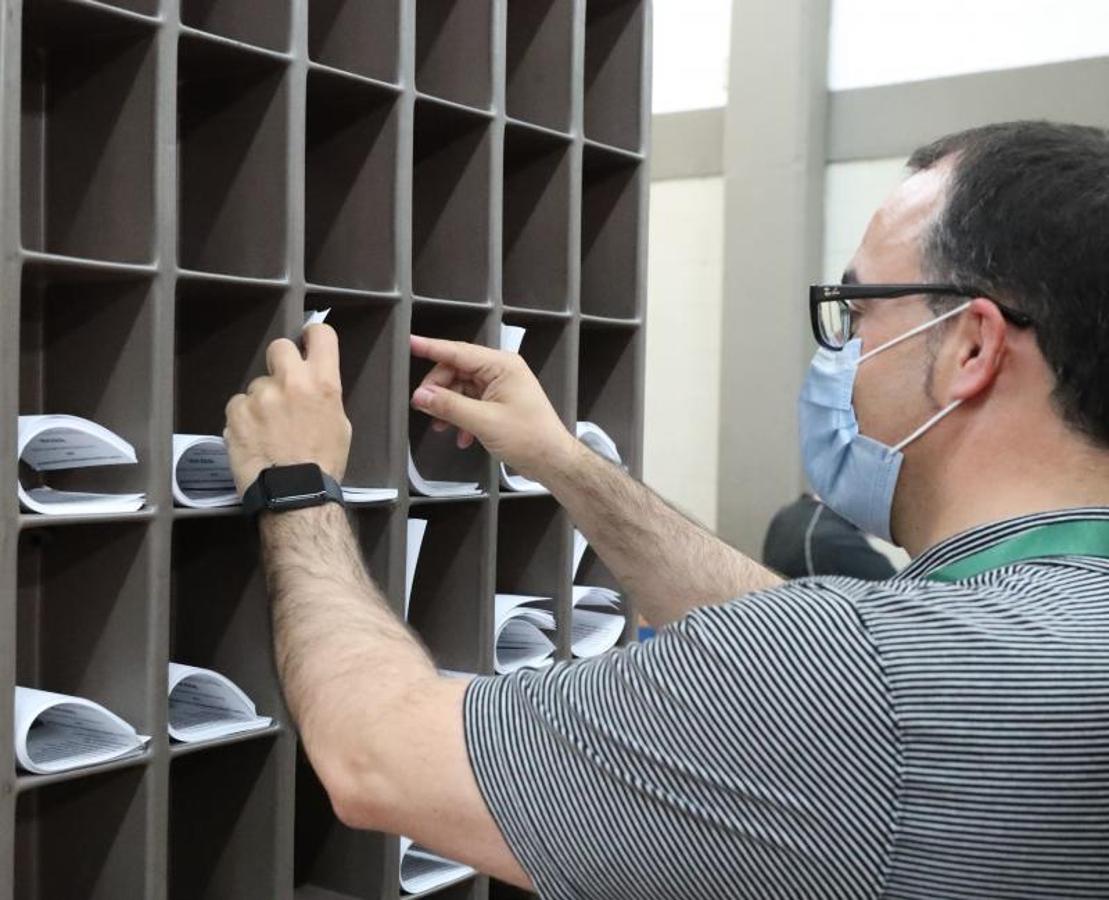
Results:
<point x="941" y="734"/>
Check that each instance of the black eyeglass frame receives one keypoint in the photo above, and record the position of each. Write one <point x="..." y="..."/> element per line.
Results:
<point x="829" y="293"/>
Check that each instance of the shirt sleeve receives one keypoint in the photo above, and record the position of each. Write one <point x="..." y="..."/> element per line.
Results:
<point x="749" y="750"/>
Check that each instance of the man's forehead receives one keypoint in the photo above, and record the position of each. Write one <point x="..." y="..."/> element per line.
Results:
<point x="890" y="250"/>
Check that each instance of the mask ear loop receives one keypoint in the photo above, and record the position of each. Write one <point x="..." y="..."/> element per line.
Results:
<point x="924" y="326"/>
<point x="950" y="408"/>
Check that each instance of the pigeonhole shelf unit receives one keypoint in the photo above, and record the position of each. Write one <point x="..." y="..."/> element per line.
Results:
<point x="181" y="180"/>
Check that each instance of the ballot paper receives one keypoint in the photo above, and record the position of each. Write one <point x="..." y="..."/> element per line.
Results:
<point x="417" y="528"/>
<point x="580" y="546"/>
<point x="512" y="337"/>
<point x="596" y="622"/>
<point x="421" y="870"/>
<point x="50" y="443"/>
<point x="202" y="476"/>
<point x="201" y="472"/>
<point x="314" y="317"/>
<point x="205" y="705"/>
<point x="56" y="732"/>
<point x="431" y="488"/>
<point x="595" y="438"/>
<point x="521" y="627"/>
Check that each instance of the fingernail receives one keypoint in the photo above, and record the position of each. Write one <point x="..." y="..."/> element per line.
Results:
<point x="423" y="397"/>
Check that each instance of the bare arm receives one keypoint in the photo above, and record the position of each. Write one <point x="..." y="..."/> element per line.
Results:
<point x="668" y="563"/>
<point x="382" y="729"/>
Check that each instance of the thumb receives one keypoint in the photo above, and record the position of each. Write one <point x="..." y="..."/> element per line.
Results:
<point x="450" y="406"/>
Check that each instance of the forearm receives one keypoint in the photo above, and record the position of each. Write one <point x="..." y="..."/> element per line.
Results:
<point x="666" y="562"/>
<point x="347" y="665"/>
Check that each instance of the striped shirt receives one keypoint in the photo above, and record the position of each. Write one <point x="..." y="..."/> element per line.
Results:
<point x="827" y="738"/>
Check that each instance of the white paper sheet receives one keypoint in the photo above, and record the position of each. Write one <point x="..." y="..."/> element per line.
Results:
<point x="580" y="546"/>
<point x="432" y="488"/>
<point x="421" y="870"/>
<point x="417" y="528"/>
<point x="521" y="626"/>
<point x="49" y="443"/>
<point x="56" y="733"/>
<point x="597" y="440"/>
<point x="314" y="317"/>
<point x="202" y="476"/>
<point x="205" y="705"/>
<point x="596" y="622"/>
<point x="512" y="337"/>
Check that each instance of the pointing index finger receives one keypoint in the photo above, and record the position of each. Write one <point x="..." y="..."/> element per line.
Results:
<point x="464" y="358"/>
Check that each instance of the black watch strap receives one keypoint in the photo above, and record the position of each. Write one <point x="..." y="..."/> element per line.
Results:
<point x="266" y="492"/>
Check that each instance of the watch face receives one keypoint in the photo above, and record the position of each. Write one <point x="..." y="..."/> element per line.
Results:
<point x="285" y="483"/>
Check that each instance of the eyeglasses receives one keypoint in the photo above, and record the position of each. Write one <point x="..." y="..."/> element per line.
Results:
<point x="833" y="319"/>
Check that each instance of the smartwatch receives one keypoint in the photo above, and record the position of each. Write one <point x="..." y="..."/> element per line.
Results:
<point x="281" y="488"/>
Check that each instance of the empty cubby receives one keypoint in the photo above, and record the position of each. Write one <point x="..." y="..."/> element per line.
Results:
<point x="608" y="376"/>
<point x="350" y="183"/>
<point x="85" y="350"/>
<point x="530" y="546"/>
<point x="451" y="203"/>
<point x="86" y="838"/>
<point x="451" y="606"/>
<point x="232" y="157"/>
<point x="222" y="331"/>
<point x="539" y="60"/>
<point x="359" y="36"/>
<point x="536" y="222"/>
<point x="223" y="836"/>
<point x="83" y="621"/>
<point x="331" y="859"/>
<point x="610" y="234"/>
<point x="454" y="44"/>
<point x="614" y="71"/>
<point x="219" y="609"/>
<point x="261" y="22"/>
<point x="373" y="378"/>
<point x="436" y="453"/>
<point x="87" y="142"/>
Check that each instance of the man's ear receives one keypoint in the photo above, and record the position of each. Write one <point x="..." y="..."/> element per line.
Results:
<point x="978" y="349"/>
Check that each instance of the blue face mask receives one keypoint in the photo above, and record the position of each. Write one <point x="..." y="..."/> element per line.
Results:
<point x="854" y="475"/>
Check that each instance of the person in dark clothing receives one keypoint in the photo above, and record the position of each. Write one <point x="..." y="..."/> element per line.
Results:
<point x="807" y="538"/>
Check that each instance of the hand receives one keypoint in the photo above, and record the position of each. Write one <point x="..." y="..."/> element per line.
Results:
<point x="294" y="414"/>
<point x="493" y="396"/>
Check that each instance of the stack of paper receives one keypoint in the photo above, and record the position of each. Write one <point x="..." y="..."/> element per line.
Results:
<point x="595" y="438"/>
<point x="431" y="488"/>
<point x="205" y="705"/>
<point x="54" y="442"/>
<point x="596" y="621"/>
<point x="202" y="476"/>
<point x="56" y="732"/>
<point x="421" y="870"/>
<point x="521" y="628"/>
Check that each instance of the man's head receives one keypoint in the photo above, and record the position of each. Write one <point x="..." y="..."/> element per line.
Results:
<point x="1020" y="212"/>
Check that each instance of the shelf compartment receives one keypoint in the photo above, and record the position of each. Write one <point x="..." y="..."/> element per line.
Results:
<point x="530" y="555"/>
<point x="451" y="203"/>
<point x="264" y="23"/>
<point x="614" y="72"/>
<point x="219" y="609"/>
<point x="536" y="237"/>
<point x="607" y="395"/>
<point x="359" y="36"/>
<point x="222" y="332"/>
<point x="84" y="838"/>
<point x="83" y="616"/>
<point x="85" y="350"/>
<point x="546" y="349"/>
<point x="454" y="47"/>
<point x="223" y="841"/>
<point x="330" y="857"/>
<point x="435" y="453"/>
<point x="539" y="60"/>
<point x="610" y="235"/>
<point x="232" y="159"/>
<point x="451" y="598"/>
<point x="87" y="132"/>
<point x="350" y="184"/>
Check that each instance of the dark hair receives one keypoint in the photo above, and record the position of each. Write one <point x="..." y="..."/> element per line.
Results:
<point x="1026" y="218"/>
